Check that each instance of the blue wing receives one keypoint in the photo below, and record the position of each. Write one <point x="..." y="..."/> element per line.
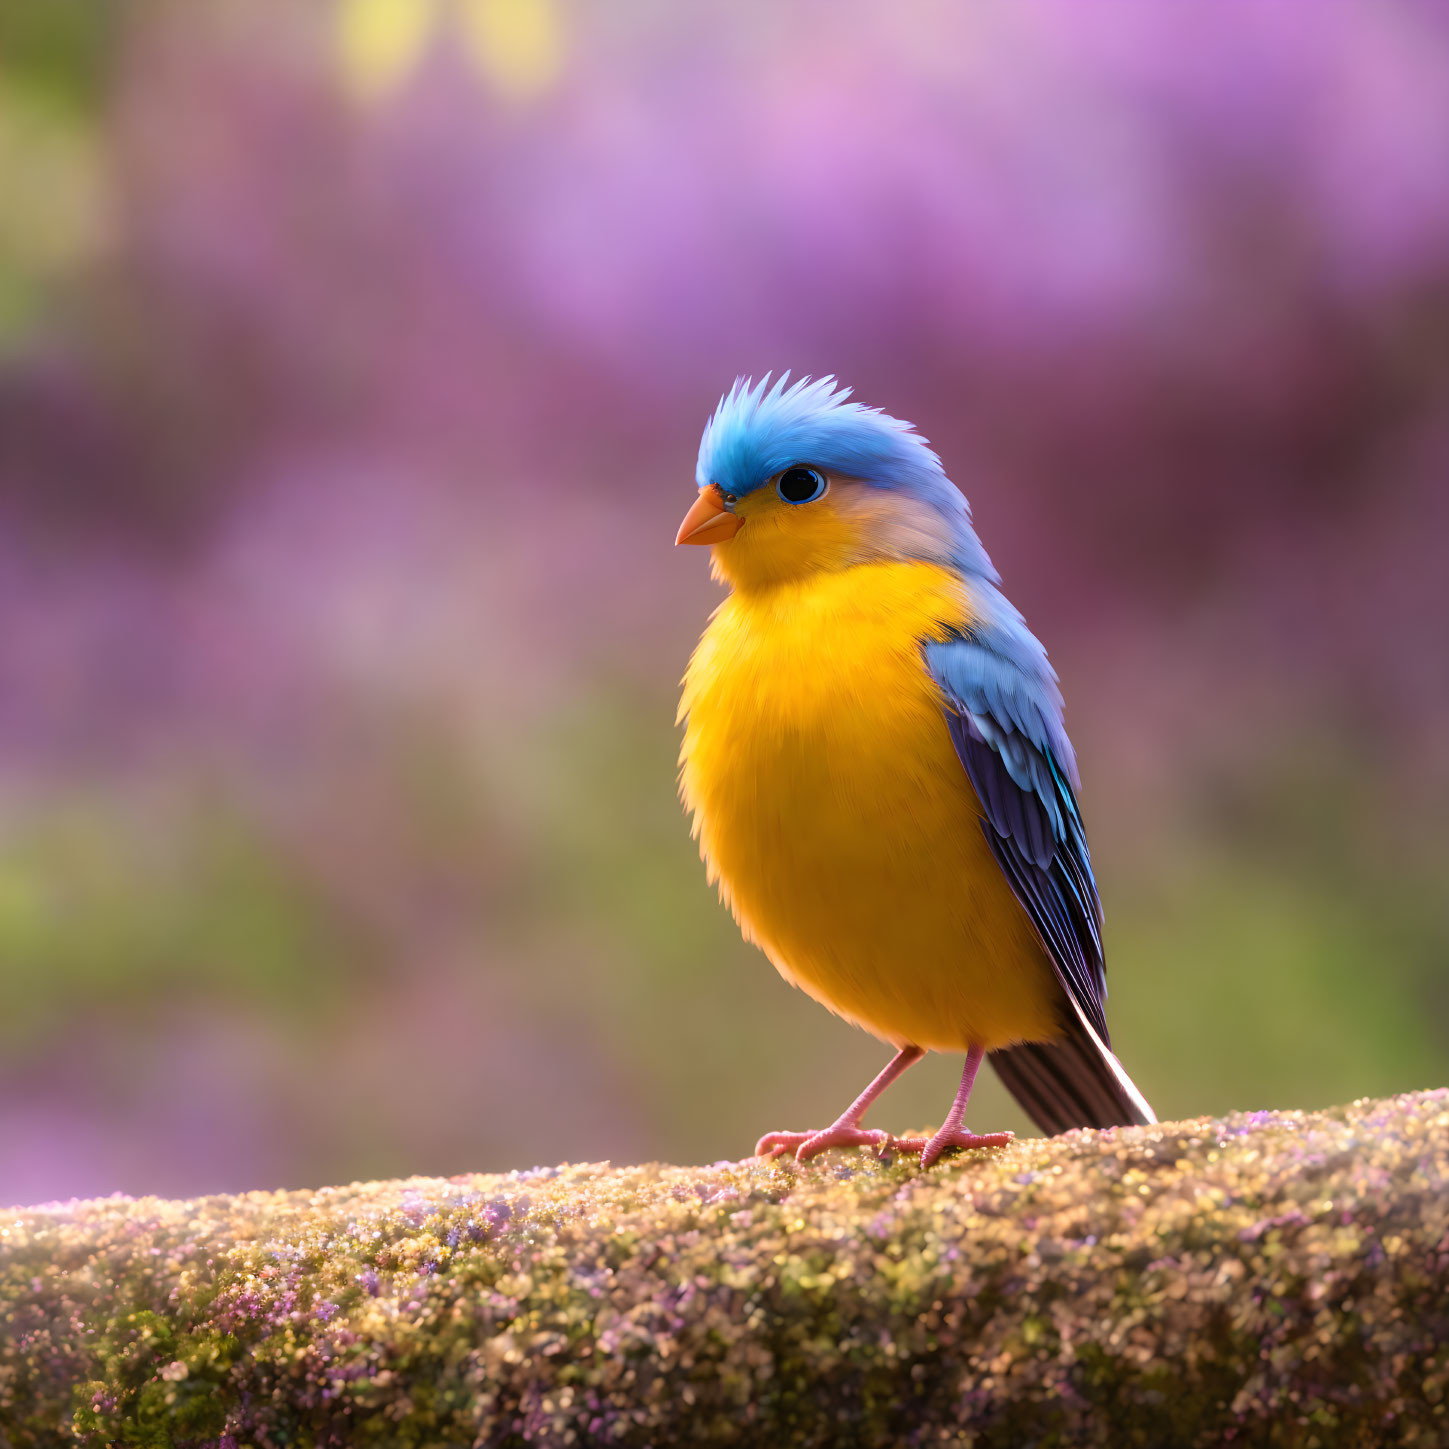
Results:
<point x="1004" y="713"/>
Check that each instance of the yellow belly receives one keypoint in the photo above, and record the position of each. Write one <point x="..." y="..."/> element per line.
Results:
<point x="844" y="833"/>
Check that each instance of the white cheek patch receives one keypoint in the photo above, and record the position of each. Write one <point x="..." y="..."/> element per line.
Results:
<point x="893" y="524"/>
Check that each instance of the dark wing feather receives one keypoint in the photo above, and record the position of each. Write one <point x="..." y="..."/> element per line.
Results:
<point x="1031" y="818"/>
<point x="1004" y="714"/>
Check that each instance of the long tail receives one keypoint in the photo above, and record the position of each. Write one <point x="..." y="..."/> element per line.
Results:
<point x="1074" y="1081"/>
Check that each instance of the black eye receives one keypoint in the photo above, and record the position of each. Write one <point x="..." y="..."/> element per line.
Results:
<point x="730" y="497"/>
<point x="800" y="485"/>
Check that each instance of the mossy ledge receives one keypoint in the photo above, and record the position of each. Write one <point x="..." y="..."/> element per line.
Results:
<point x="1271" y="1278"/>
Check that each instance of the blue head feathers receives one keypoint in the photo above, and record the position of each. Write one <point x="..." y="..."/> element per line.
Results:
<point x="758" y="430"/>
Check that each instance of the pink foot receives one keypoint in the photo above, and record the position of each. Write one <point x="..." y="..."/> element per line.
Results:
<point x="806" y="1144"/>
<point x="931" y="1148"/>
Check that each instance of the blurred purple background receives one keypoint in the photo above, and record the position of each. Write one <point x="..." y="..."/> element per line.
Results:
<point x="352" y="364"/>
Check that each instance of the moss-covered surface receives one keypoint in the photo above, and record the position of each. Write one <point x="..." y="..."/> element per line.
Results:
<point x="1275" y="1278"/>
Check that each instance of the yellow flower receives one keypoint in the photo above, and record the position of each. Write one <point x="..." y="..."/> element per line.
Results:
<point x="380" y="42"/>
<point x="516" y="45"/>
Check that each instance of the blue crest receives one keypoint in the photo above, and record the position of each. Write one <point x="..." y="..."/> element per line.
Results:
<point x="758" y="430"/>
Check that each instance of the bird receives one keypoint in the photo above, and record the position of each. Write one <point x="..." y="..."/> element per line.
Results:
<point x="877" y="771"/>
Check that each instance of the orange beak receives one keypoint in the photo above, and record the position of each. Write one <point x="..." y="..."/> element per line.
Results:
<point x="708" y="520"/>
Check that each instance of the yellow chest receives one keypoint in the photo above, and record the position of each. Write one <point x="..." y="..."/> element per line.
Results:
<point x="830" y="806"/>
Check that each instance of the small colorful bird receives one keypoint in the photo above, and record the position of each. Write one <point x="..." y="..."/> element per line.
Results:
<point x="876" y="766"/>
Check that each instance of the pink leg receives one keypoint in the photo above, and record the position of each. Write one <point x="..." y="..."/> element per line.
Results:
<point x="846" y="1130"/>
<point x="952" y="1133"/>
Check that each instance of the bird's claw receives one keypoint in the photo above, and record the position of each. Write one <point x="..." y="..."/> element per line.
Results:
<point x="931" y="1148"/>
<point x="804" y="1145"/>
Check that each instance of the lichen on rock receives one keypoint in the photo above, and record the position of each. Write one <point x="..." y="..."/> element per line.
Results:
<point x="1269" y="1278"/>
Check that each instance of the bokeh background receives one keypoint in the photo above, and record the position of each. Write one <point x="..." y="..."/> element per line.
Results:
<point x="353" y="358"/>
